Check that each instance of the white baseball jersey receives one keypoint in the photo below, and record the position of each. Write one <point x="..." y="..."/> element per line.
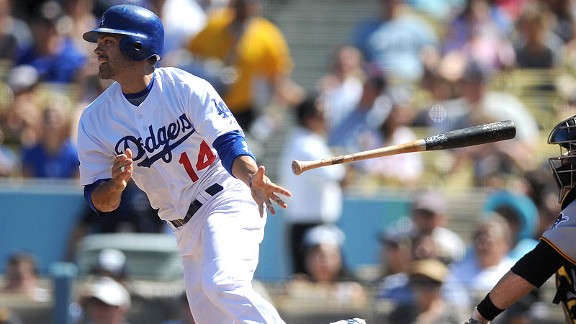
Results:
<point x="170" y="134"/>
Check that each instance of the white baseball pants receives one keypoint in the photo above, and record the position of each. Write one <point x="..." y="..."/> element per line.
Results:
<point x="220" y="249"/>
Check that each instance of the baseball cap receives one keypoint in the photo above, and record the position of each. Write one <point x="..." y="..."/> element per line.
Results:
<point x="324" y="234"/>
<point x="430" y="268"/>
<point x="429" y="201"/>
<point x="111" y="261"/>
<point x="397" y="234"/>
<point x="22" y="77"/>
<point x="109" y="291"/>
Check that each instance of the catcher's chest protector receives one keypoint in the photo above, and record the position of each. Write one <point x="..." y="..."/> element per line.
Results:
<point x="566" y="291"/>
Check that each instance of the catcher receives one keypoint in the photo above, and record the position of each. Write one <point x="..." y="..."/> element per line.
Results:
<point x="555" y="252"/>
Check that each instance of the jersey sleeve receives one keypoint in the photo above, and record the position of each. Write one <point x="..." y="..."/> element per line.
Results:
<point x="210" y="114"/>
<point x="561" y="236"/>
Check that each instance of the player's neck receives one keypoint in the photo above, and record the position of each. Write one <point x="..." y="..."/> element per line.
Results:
<point x="134" y="83"/>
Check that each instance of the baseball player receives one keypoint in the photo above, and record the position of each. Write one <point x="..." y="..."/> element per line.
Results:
<point x="556" y="250"/>
<point x="174" y="136"/>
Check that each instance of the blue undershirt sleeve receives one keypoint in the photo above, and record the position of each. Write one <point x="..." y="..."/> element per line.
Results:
<point x="230" y="146"/>
<point x="88" y="189"/>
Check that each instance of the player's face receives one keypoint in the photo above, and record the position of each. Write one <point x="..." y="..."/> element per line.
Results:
<point x="111" y="62"/>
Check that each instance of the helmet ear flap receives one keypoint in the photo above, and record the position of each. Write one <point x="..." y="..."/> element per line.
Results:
<point x="134" y="48"/>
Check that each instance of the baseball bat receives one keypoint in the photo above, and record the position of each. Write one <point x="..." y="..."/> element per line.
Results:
<point x="475" y="135"/>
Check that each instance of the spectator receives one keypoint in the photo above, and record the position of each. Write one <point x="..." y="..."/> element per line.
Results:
<point x="9" y="47"/>
<point x="469" y="280"/>
<point x="426" y="277"/>
<point x="429" y="217"/>
<point x="54" y="155"/>
<point x="478" y="104"/>
<point x="397" y="254"/>
<point x="563" y="14"/>
<point x="15" y="34"/>
<point x="250" y="50"/>
<point x="326" y="276"/>
<point x="521" y="214"/>
<point x="482" y="33"/>
<point x="396" y="247"/>
<point x="404" y="170"/>
<point x="349" y="135"/>
<point x="395" y="41"/>
<point x="20" y="119"/>
<point x="484" y="266"/>
<point x="537" y="47"/>
<point x="22" y="278"/>
<point x="400" y="248"/>
<point x="340" y="87"/>
<point x="52" y="53"/>
<point x="317" y="197"/>
<point x="104" y="301"/>
<point x="78" y="16"/>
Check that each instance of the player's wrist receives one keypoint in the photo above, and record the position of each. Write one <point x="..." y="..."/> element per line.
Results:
<point x="116" y="187"/>
<point x="477" y="318"/>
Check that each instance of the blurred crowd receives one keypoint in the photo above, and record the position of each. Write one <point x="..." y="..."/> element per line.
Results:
<point x="414" y="69"/>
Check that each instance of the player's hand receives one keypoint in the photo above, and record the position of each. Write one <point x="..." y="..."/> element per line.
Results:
<point x="122" y="169"/>
<point x="265" y="192"/>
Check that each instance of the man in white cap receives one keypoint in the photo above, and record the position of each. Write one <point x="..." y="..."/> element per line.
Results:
<point x="105" y="301"/>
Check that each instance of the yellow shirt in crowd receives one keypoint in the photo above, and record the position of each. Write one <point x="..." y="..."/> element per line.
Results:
<point x="262" y="52"/>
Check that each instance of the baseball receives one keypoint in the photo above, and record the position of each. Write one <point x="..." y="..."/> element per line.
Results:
<point x="437" y="113"/>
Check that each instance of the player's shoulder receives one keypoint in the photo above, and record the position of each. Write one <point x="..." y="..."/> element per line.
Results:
<point x="103" y="99"/>
<point x="177" y="75"/>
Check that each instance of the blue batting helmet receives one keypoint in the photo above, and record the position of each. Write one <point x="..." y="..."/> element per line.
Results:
<point x="142" y="30"/>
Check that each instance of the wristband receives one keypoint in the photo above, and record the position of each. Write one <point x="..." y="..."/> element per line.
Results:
<point x="487" y="309"/>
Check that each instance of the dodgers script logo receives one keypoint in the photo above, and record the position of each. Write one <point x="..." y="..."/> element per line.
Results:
<point x="165" y="138"/>
<point x="561" y="219"/>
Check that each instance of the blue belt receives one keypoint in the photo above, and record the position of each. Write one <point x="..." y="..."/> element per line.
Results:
<point x="195" y="205"/>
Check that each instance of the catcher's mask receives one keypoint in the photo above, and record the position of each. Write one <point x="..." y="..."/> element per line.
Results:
<point x="564" y="166"/>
